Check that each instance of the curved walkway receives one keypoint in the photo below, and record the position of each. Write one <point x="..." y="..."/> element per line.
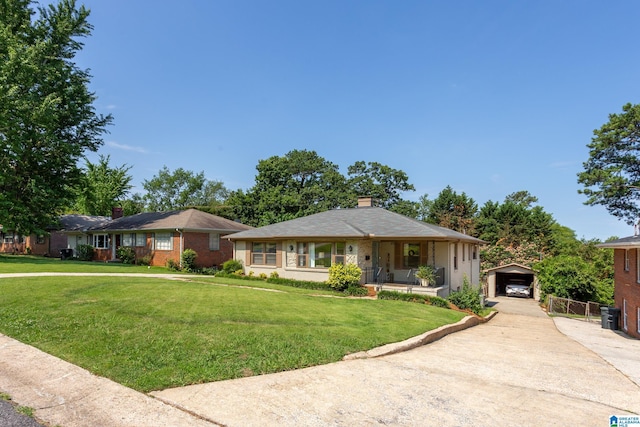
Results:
<point x="516" y="370"/>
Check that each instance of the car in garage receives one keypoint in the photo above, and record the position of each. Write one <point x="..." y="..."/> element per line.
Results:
<point x="518" y="290"/>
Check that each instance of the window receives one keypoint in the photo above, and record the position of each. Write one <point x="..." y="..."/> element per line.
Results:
<point x="475" y="251"/>
<point x="624" y="314"/>
<point x="626" y="260"/>
<point x="340" y="252"/>
<point x="410" y="255"/>
<point x="263" y="253"/>
<point x="141" y="239"/>
<point x="638" y="265"/>
<point x="320" y="255"/>
<point x="455" y="256"/>
<point x="464" y="252"/>
<point x="128" y="239"/>
<point x="40" y="240"/>
<point x="303" y="255"/>
<point x="101" y="241"/>
<point x="7" y="238"/>
<point x="164" y="242"/>
<point x="214" y="241"/>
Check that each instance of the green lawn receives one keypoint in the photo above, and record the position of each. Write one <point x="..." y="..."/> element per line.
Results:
<point x="37" y="264"/>
<point x="152" y="333"/>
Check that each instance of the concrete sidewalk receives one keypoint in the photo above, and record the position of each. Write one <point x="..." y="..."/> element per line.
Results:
<point x="67" y="395"/>
<point x="621" y="351"/>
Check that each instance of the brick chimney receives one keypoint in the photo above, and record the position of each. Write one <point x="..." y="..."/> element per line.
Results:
<point x="365" y="202"/>
<point x="116" y="212"/>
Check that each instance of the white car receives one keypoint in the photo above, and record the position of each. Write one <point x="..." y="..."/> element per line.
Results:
<point x="518" y="290"/>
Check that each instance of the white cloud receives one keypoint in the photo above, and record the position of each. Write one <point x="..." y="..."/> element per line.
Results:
<point x="126" y="147"/>
<point x="111" y="107"/>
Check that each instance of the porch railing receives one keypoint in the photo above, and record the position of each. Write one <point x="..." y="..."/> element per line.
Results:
<point x="373" y="275"/>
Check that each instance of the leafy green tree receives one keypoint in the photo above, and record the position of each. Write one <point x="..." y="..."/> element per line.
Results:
<point x="102" y="187"/>
<point x="454" y="211"/>
<point x="181" y="189"/>
<point x="47" y="118"/>
<point x="379" y="181"/>
<point x="611" y="175"/>
<point x="574" y="277"/>
<point x="133" y="205"/>
<point x="297" y="184"/>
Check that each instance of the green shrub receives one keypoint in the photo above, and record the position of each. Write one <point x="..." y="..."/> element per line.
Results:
<point x="126" y="254"/>
<point x="274" y="275"/>
<point x="85" y="252"/>
<point x="300" y="284"/>
<point x="263" y="276"/>
<point x="419" y="298"/>
<point x="208" y="271"/>
<point x="343" y="276"/>
<point x="232" y="266"/>
<point x="145" y="260"/>
<point x="356" y="291"/>
<point x="189" y="260"/>
<point x="173" y="265"/>
<point x="468" y="298"/>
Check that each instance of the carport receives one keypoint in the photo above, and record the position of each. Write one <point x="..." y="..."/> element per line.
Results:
<point x="497" y="279"/>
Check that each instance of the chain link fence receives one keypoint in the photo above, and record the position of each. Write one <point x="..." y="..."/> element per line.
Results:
<point x="589" y="311"/>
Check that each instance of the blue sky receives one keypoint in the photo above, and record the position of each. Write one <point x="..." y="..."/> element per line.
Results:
<point x="489" y="97"/>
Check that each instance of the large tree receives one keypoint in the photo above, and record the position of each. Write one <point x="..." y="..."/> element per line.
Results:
<point x="103" y="187"/>
<point x="611" y="175"/>
<point x="381" y="182"/>
<point x="454" y="211"/>
<point x="47" y="118"/>
<point x="182" y="189"/>
<point x="286" y="187"/>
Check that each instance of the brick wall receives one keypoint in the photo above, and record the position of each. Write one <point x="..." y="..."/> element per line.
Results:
<point x="30" y="242"/>
<point x="627" y="288"/>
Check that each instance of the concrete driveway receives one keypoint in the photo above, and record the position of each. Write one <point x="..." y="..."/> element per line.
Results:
<point x="516" y="370"/>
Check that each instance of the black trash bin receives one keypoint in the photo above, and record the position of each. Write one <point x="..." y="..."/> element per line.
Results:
<point x="604" y="317"/>
<point x="614" y="318"/>
<point x="66" y="253"/>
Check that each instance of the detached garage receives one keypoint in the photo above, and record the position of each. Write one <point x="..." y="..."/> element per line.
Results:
<point x="499" y="277"/>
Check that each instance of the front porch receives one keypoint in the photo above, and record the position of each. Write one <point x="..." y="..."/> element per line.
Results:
<point x="379" y="280"/>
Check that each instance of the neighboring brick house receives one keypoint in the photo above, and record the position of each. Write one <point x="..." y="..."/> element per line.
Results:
<point x="627" y="282"/>
<point x="162" y="236"/>
<point x="13" y="243"/>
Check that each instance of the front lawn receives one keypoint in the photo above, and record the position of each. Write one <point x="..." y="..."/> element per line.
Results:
<point x="38" y="264"/>
<point x="151" y="334"/>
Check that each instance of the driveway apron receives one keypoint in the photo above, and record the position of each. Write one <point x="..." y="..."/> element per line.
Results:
<point x="516" y="370"/>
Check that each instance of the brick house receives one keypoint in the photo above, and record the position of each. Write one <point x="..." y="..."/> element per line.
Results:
<point x="627" y="282"/>
<point x="162" y="236"/>
<point x="14" y="243"/>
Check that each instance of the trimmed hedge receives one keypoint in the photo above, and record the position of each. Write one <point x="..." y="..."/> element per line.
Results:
<point x="422" y="299"/>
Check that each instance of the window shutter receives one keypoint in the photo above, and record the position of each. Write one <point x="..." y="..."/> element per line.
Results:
<point x="398" y="256"/>
<point x="247" y="252"/>
<point x="279" y="254"/>
<point x="424" y="253"/>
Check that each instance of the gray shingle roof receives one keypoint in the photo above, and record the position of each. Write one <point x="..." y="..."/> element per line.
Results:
<point x="76" y="222"/>
<point x="354" y="223"/>
<point x="625" y="242"/>
<point x="185" y="220"/>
